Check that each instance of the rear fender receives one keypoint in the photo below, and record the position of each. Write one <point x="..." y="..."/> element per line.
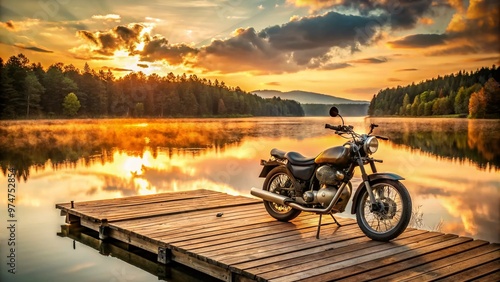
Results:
<point x="372" y="178"/>
<point x="268" y="166"/>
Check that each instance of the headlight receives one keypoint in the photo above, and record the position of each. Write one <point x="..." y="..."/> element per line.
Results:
<point x="371" y="145"/>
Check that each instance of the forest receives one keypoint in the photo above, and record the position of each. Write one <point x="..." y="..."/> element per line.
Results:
<point x="29" y="91"/>
<point x="464" y="94"/>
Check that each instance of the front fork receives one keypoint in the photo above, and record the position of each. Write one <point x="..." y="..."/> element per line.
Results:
<point x="364" y="175"/>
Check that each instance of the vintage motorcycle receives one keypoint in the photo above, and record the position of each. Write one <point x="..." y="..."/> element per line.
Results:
<point x="321" y="185"/>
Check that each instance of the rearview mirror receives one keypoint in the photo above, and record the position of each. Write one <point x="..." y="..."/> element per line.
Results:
<point x="334" y="111"/>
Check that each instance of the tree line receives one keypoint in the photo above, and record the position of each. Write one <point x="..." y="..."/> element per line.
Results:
<point x="30" y="91"/>
<point x="473" y="94"/>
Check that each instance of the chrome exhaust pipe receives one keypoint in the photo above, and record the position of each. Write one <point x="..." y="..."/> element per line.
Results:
<point x="283" y="200"/>
<point x="269" y="196"/>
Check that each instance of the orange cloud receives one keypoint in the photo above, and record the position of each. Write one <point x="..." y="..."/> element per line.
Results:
<point x="426" y="21"/>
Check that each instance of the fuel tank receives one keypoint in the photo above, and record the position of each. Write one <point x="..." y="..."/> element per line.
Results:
<point x="338" y="156"/>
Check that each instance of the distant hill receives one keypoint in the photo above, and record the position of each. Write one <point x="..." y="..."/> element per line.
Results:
<point x="304" y="97"/>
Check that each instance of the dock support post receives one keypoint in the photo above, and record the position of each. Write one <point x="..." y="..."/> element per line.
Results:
<point x="164" y="255"/>
<point x="104" y="229"/>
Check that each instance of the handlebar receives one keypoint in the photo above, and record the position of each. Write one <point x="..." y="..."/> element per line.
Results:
<point x="349" y="128"/>
<point x="333" y="127"/>
<point x="344" y="128"/>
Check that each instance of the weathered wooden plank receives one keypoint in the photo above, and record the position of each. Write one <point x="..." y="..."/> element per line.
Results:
<point x="273" y="227"/>
<point x="141" y="199"/>
<point x="184" y="229"/>
<point x="221" y="273"/>
<point x="494" y="277"/>
<point x="164" y="207"/>
<point x="303" y="244"/>
<point x="114" y="214"/>
<point x="474" y="272"/>
<point x="457" y="263"/>
<point x="379" y="268"/>
<point x="337" y="254"/>
<point x="238" y="244"/>
<point x="161" y="209"/>
<point x="275" y="243"/>
<point x="227" y="212"/>
<point x="331" y="261"/>
<point x="246" y="244"/>
<point x="247" y="227"/>
<point x="452" y="255"/>
<point x="199" y="232"/>
<point x="343" y="263"/>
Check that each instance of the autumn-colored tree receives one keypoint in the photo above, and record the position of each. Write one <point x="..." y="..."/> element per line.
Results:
<point x="485" y="102"/>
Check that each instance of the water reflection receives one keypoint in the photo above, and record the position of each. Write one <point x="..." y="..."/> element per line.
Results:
<point x="475" y="141"/>
<point x="450" y="166"/>
<point x="146" y="261"/>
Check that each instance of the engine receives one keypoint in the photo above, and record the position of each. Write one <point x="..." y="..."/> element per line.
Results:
<point x="329" y="180"/>
<point x="328" y="175"/>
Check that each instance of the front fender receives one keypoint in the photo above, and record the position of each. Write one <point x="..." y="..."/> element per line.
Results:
<point x="371" y="179"/>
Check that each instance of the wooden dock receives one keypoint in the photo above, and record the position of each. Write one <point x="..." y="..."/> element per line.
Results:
<point x="233" y="238"/>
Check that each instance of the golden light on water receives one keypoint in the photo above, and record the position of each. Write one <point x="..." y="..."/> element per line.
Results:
<point x="224" y="157"/>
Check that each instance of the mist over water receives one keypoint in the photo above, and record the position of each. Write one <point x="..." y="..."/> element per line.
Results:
<point x="451" y="168"/>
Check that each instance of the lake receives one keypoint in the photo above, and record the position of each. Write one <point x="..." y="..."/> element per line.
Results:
<point x="451" y="166"/>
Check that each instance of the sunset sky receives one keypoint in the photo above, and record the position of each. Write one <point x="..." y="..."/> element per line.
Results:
<point x="344" y="48"/>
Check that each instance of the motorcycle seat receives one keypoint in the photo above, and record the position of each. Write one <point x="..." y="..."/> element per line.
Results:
<point x="298" y="159"/>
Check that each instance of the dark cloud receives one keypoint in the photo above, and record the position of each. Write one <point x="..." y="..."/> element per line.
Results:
<point x="331" y="29"/>
<point x="419" y="41"/>
<point x="33" y="48"/>
<point x="88" y="36"/>
<point x="393" y="79"/>
<point x="411" y="69"/>
<point x="471" y="30"/>
<point x="86" y="58"/>
<point x="377" y="60"/>
<point x="116" y="69"/>
<point x="273" y="83"/>
<point x="483" y="59"/>
<point x="399" y="14"/>
<point x="458" y="50"/>
<point x="143" y="65"/>
<point x="245" y="51"/>
<point x="119" y="38"/>
<point x="479" y="26"/>
<point x="335" y="66"/>
<point x="299" y="44"/>
<point x="9" y="25"/>
<point x="158" y="48"/>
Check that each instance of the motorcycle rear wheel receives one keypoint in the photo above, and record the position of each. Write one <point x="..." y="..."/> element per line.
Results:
<point x="393" y="217"/>
<point x="279" y="177"/>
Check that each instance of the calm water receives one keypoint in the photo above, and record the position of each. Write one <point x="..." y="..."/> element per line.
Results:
<point x="452" y="170"/>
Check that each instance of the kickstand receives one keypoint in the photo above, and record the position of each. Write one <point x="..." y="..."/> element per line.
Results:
<point x="319" y="224"/>
<point x="334" y="219"/>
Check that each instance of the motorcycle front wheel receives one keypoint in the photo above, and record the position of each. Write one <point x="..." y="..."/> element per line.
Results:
<point x="280" y="182"/>
<point x="393" y="214"/>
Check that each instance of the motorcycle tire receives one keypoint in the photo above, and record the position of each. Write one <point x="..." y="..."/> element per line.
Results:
<point x="394" y="216"/>
<point x="279" y="176"/>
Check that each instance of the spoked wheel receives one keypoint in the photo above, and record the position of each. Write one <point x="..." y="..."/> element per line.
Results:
<point x="280" y="182"/>
<point x="390" y="217"/>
